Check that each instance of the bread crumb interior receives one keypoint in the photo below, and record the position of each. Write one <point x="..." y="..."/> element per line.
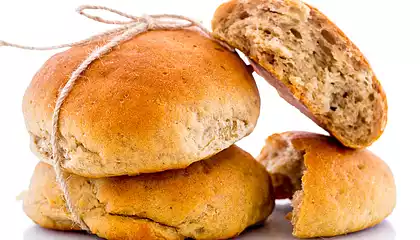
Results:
<point x="286" y="167"/>
<point x="313" y="58"/>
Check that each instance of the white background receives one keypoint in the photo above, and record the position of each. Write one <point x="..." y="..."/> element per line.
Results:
<point x="388" y="32"/>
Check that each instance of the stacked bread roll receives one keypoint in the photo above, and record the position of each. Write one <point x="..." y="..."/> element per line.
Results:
<point x="336" y="186"/>
<point x="147" y="134"/>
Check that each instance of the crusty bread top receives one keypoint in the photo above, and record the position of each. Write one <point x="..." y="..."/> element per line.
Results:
<point x="162" y="100"/>
<point x="211" y="199"/>
<point x="343" y="190"/>
<point x="348" y="189"/>
<point x="311" y="62"/>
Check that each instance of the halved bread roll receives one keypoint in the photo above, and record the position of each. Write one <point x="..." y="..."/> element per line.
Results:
<point x="311" y="63"/>
<point x="336" y="190"/>
<point x="217" y="198"/>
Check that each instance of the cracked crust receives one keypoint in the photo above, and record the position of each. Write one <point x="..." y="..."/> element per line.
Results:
<point x="284" y="164"/>
<point x="160" y="101"/>
<point x="212" y="199"/>
<point x="311" y="63"/>
<point x="342" y="190"/>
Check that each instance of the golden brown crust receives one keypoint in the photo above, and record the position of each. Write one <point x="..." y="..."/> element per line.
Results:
<point x="211" y="199"/>
<point x="160" y="101"/>
<point x="290" y="93"/>
<point x="344" y="190"/>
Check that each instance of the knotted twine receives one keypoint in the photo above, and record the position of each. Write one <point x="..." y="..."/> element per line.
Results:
<point x="126" y="31"/>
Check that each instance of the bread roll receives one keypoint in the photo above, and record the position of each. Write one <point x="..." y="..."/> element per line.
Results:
<point x="163" y="100"/>
<point x="215" y="198"/>
<point x="336" y="190"/>
<point x="311" y="63"/>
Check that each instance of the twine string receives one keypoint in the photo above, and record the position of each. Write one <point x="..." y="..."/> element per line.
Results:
<point x="127" y="29"/>
<point x="81" y="10"/>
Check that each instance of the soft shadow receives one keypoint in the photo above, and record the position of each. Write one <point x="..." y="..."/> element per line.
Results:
<point x="277" y="227"/>
<point x="37" y="233"/>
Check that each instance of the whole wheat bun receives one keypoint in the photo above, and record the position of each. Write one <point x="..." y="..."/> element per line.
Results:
<point x="161" y="101"/>
<point x="336" y="190"/>
<point x="215" y="198"/>
<point x="311" y="63"/>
